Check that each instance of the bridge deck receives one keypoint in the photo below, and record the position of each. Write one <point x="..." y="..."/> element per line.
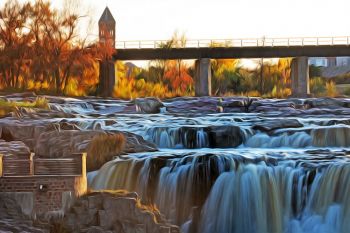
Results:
<point x="233" y="52"/>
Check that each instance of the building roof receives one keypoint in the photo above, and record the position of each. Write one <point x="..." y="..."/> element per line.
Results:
<point x="331" y="72"/>
<point x="107" y="16"/>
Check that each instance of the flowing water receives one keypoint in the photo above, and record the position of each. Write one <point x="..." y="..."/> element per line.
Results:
<point x="263" y="172"/>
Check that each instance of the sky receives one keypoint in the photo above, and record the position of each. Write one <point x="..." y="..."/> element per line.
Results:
<point x="220" y="19"/>
<point x="224" y="19"/>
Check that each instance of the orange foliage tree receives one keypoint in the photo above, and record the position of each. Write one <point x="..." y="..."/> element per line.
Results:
<point x="40" y="49"/>
<point x="178" y="77"/>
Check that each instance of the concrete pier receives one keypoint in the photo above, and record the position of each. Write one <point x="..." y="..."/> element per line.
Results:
<point x="107" y="78"/>
<point x="202" y="79"/>
<point x="300" y="77"/>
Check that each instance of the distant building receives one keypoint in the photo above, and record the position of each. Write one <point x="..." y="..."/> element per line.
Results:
<point x="318" y="61"/>
<point x="106" y="26"/>
<point x="329" y="61"/>
<point x="343" y="61"/>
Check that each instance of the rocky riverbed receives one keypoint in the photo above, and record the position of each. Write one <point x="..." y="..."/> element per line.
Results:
<point x="179" y="152"/>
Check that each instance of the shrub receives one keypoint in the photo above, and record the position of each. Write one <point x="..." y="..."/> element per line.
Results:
<point x="347" y="91"/>
<point x="315" y="71"/>
<point x="331" y="89"/>
<point x="13" y="106"/>
<point x="317" y="86"/>
<point x="103" y="148"/>
<point x="279" y="93"/>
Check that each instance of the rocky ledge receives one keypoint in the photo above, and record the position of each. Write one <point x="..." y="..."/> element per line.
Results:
<point x="12" y="219"/>
<point x="117" y="212"/>
<point x="97" y="212"/>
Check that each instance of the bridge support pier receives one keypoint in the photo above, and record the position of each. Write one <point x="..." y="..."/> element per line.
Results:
<point x="300" y="77"/>
<point x="107" y="78"/>
<point x="202" y="79"/>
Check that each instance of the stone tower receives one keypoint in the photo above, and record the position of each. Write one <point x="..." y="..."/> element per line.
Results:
<point x="106" y="26"/>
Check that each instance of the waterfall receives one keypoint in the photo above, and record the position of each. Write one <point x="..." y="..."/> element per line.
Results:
<point x="192" y="137"/>
<point x="334" y="136"/>
<point x="238" y="192"/>
<point x="174" y="183"/>
<point x="179" y="137"/>
<point x="201" y="139"/>
<point x="79" y="107"/>
<point x="294" y="140"/>
<point x="279" y="199"/>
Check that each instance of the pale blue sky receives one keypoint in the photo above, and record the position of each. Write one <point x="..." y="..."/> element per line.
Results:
<point x="158" y="19"/>
<point x="223" y="19"/>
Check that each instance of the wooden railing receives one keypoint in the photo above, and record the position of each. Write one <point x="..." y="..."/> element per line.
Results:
<point x="18" y="166"/>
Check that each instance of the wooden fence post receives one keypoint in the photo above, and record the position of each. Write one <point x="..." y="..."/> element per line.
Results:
<point x="1" y="165"/>
<point x="31" y="164"/>
<point x="80" y="158"/>
<point x="83" y="164"/>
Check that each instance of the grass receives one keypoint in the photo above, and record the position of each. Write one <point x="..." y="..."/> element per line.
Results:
<point x="103" y="148"/>
<point x="344" y="89"/>
<point x="12" y="106"/>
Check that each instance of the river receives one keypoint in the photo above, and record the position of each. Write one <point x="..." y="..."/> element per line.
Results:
<point x="282" y="166"/>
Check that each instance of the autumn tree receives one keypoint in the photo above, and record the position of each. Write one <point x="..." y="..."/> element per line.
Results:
<point x="225" y="76"/>
<point x="158" y="67"/>
<point x="178" y="78"/>
<point x="41" y="45"/>
<point x="14" y="42"/>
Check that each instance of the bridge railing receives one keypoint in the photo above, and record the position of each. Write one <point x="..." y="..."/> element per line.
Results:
<point x="248" y="42"/>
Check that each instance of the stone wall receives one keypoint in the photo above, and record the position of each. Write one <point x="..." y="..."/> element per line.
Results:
<point x="48" y="193"/>
<point x="53" y="191"/>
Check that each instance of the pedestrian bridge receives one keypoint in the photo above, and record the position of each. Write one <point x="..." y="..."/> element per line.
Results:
<point x="234" y="48"/>
<point x="298" y="48"/>
<point x="245" y="42"/>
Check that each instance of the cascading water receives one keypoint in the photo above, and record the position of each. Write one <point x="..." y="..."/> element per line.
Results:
<point x="179" y="137"/>
<point x="237" y="173"/>
<point x="295" y="140"/>
<point x="279" y="199"/>
<point x="238" y="192"/>
<point x="198" y="137"/>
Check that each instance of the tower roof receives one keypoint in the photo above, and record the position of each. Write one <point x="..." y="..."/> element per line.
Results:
<point x="107" y="16"/>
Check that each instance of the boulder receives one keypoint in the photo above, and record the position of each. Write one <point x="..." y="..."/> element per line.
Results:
<point x="135" y="143"/>
<point x="56" y="144"/>
<point x="149" y="105"/>
<point x="22" y="95"/>
<point x="115" y="212"/>
<point x="62" y="138"/>
<point x="17" y="148"/>
<point x="324" y="102"/>
<point x="270" y="125"/>
<point x="224" y="136"/>
<point x="233" y="104"/>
